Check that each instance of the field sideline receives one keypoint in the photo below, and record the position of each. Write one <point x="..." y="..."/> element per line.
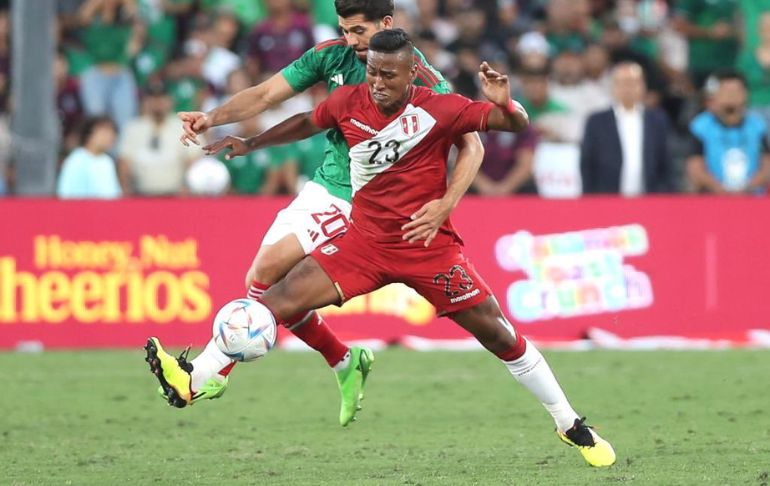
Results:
<point x="429" y="418"/>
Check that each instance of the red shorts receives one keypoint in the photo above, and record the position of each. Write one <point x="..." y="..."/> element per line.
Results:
<point x="441" y="273"/>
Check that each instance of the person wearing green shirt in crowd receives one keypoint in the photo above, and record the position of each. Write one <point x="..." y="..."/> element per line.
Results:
<point x="112" y="37"/>
<point x="320" y="212"/>
<point x="755" y="66"/>
<point x="710" y="28"/>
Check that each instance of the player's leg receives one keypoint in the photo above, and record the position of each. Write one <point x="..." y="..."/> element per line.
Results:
<point x="352" y="266"/>
<point x="488" y="324"/>
<point x="311" y="219"/>
<point x="460" y="293"/>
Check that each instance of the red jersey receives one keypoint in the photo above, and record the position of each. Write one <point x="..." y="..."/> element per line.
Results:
<point x="398" y="163"/>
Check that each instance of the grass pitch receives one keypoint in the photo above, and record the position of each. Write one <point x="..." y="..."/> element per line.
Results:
<point x="429" y="418"/>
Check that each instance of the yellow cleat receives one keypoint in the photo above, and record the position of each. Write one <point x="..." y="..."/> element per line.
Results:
<point x="595" y="450"/>
<point x="172" y="373"/>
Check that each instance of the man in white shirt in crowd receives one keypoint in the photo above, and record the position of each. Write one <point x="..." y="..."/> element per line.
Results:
<point x="152" y="161"/>
<point x="625" y="149"/>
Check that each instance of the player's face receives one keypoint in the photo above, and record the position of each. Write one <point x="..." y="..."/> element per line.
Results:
<point x="389" y="77"/>
<point x="357" y="31"/>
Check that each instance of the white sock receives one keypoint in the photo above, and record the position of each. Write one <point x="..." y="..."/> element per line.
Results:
<point x="207" y="365"/>
<point x="532" y="371"/>
<point x="344" y="362"/>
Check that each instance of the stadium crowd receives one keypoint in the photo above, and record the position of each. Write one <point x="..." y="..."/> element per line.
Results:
<point x="685" y="85"/>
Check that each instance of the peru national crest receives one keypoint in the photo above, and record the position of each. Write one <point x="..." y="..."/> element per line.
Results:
<point x="410" y="124"/>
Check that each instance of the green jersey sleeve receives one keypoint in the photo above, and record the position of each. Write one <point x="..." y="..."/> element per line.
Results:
<point x="305" y="71"/>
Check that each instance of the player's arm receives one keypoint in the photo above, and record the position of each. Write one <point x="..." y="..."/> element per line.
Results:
<point x="245" y="104"/>
<point x="429" y="218"/>
<point x="294" y="128"/>
<point x="507" y="115"/>
<point x="297" y="127"/>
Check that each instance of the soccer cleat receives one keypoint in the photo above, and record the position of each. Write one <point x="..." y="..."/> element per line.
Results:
<point x="351" y="381"/>
<point x="210" y="390"/>
<point x="172" y="373"/>
<point x="595" y="450"/>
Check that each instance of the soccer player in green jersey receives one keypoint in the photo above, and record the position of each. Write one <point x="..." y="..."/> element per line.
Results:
<point x="321" y="210"/>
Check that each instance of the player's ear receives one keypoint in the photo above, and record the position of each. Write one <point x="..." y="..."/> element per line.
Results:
<point x="413" y="72"/>
<point x="387" y="22"/>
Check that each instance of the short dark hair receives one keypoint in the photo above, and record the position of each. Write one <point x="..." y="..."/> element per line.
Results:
<point x="390" y="41"/>
<point x="90" y="124"/>
<point x="372" y="10"/>
<point x="722" y="75"/>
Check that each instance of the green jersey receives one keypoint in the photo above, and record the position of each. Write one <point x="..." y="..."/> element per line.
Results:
<point x="336" y="64"/>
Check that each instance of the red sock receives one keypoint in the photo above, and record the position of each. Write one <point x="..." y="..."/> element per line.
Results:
<point x="516" y="351"/>
<point x="256" y="289"/>
<point x="316" y="334"/>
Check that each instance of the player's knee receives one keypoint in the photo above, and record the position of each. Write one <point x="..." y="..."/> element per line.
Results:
<point x="267" y="269"/>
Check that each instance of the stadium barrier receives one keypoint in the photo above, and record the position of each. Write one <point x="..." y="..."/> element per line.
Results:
<point x="623" y="273"/>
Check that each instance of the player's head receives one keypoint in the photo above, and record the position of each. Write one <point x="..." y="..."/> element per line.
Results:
<point x="361" y="19"/>
<point x="727" y="95"/>
<point x="98" y="134"/>
<point x="390" y="68"/>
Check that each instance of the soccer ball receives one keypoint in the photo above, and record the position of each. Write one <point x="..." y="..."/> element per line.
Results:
<point x="244" y="330"/>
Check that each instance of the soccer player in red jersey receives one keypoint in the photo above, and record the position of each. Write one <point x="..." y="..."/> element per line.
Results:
<point x="399" y="137"/>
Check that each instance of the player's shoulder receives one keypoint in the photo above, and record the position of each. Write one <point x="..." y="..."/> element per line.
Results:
<point x="427" y="75"/>
<point x="425" y="96"/>
<point x="331" y="46"/>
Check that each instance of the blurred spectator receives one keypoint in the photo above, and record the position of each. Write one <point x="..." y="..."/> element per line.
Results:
<point x="508" y="164"/>
<point x="283" y="36"/>
<point x="552" y="119"/>
<point x="441" y="59"/>
<point x="68" y="103"/>
<point x="207" y="52"/>
<point x="237" y="81"/>
<point x="532" y="50"/>
<point x="730" y="151"/>
<point x="89" y="171"/>
<point x="111" y="36"/>
<point x="566" y="26"/>
<point x="596" y="61"/>
<point x="264" y="172"/>
<point x="624" y="149"/>
<point x="152" y="161"/>
<point x="755" y="66"/>
<point x="569" y="86"/>
<point x="430" y="21"/>
<point x="710" y="28"/>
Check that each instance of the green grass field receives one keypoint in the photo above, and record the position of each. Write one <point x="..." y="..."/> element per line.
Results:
<point x="429" y="418"/>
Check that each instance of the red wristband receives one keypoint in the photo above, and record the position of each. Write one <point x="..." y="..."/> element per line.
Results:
<point x="514" y="106"/>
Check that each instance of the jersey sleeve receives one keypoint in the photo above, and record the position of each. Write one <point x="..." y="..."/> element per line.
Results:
<point x="326" y="113"/>
<point x="305" y="71"/>
<point x="465" y="115"/>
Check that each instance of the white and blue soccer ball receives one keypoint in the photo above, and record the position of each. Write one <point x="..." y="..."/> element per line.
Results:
<point x="244" y="330"/>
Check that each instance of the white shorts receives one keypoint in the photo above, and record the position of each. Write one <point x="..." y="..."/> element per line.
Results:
<point x="314" y="216"/>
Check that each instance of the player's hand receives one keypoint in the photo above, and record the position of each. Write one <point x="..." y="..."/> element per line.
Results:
<point x="494" y="85"/>
<point x="426" y="222"/>
<point x="237" y="145"/>
<point x="193" y="124"/>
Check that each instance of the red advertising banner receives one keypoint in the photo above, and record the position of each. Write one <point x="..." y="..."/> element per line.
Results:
<point x="109" y="274"/>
